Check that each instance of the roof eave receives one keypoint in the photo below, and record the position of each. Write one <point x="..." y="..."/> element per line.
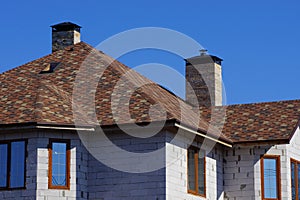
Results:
<point x="260" y="142"/>
<point x="294" y="130"/>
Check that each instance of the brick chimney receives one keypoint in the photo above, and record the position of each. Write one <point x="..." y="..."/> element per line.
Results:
<point x="204" y="74"/>
<point x="64" y="34"/>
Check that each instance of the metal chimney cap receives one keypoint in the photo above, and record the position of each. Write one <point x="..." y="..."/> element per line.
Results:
<point x="203" y="52"/>
<point x="65" y="26"/>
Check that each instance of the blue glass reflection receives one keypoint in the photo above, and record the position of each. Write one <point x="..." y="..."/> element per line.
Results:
<point x="270" y="178"/>
<point x="59" y="164"/>
<point x="293" y="181"/>
<point x="191" y="169"/>
<point x="201" y="172"/>
<point x="3" y="165"/>
<point x="17" y="177"/>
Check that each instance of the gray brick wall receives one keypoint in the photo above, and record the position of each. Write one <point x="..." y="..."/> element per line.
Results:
<point x="30" y="192"/>
<point x="63" y="39"/>
<point x="205" y="80"/>
<point x="78" y="168"/>
<point x="176" y="168"/>
<point x="230" y="173"/>
<point x="37" y="167"/>
<point x="242" y="174"/>
<point x="106" y="183"/>
<point x="293" y="151"/>
<point x="239" y="172"/>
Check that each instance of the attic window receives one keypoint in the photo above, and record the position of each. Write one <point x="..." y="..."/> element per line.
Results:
<point x="50" y="68"/>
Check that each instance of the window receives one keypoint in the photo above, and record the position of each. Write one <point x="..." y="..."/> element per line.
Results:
<point x="12" y="165"/>
<point x="196" y="171"/>
<point x="270" y="177"/>
<point x="295" y="177"/>
<point x="59" y="164"/>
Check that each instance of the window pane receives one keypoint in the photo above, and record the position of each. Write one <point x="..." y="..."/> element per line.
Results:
<point x="293" y="181"/>
<point x="59" y="164"/>
<point x="3" y="165"/>
<point x="191" y="169"/>
<point x="270" y="178"/>
<point x="201" y="172"/>
<point x="17" y="175"/>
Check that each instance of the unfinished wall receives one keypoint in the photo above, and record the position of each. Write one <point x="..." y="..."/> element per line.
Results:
<point x="30" y="192"/>
<point x="37" y="167"/>
<point x="78" y="167"/>
<point x="230" y="173"/>
<point x="239" y="172"/>
<point x="293" y="151"/>
<point x="176" y="168"/>
<point x="242" y="174"/>
<point x="107" y="183"/>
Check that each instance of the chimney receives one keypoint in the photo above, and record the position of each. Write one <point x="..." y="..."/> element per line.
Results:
<point x="64" y="34"/>
<point x="204" y="80"/>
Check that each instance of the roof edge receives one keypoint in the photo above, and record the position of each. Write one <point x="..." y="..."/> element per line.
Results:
<point x="169" y="123"/>
<point x="294" y="130"/>
<point x="258" y="103"/>
<point x="277" y="141"/>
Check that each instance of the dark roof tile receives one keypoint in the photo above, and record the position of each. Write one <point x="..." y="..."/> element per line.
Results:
<point x="257" y="121"/>
<point x="111" y="93"/>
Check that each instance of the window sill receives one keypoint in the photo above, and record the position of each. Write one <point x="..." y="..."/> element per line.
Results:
<point x="59" y="188"/>
<point x="10" y="189"/>
<point x="196" y="194"/>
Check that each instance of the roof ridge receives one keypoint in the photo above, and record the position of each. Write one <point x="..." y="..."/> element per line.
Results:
<point x="65" y="96"/>
<point x="23" y="65"/>
<point x="256" y="103"/>
<point x="122" y="68"/>
<point x="46" y="56"/>
<point x="36" y="111"/>
<point x="29" y="96"/>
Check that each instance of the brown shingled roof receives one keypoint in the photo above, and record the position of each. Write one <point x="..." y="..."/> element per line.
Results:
<point x="257" y="121"/>
<point x="28" y="96"/>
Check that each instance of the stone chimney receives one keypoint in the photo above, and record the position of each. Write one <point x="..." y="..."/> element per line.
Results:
<point x="64" y="34"/>
<point x="204" y="80"/>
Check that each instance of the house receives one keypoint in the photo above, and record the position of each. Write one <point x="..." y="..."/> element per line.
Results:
<point x="77" y="124"/>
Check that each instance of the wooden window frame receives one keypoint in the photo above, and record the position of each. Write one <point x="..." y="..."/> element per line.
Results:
<point x="9" y="142"/>
<point x="196" y="192"/>
<point x="296" y="162"/>
<point x="278" y="175"/>
<point x="68" y="164"/>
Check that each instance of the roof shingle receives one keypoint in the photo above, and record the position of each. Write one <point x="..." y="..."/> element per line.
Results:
<point x="257" y="121"/>
<point x="119" y="95"/>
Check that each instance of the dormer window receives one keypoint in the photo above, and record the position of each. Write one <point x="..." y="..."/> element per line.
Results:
<point x="50" y="68"/>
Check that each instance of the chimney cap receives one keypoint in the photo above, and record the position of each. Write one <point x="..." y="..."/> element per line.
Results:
<point x="65" y="26"/>
<point x="204" y="57"/>
<point x="203" y="52"/>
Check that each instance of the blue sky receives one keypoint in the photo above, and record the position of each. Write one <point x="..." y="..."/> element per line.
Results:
<point x="258" y="40"/>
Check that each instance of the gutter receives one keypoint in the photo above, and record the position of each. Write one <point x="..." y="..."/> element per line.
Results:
<point x="65" y="128"/>
<point x="202" y="135"/>
<point x="45" y="126"/>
